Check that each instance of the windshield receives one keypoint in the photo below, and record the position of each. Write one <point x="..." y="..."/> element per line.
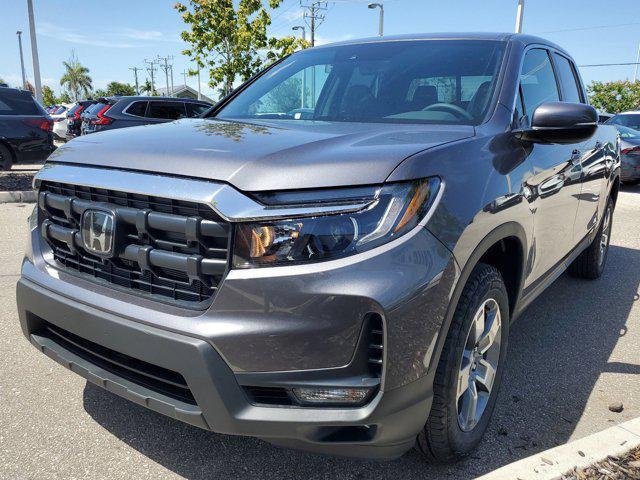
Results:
<point x="626" y="132"/>
<point x="420" y="81"/>
<point x="631" y="120"/>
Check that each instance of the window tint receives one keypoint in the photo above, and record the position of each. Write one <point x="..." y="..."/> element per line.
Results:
<point x="15" y="102"/>
<point x="166" y="110"/>
<point x="194" y="109"/>
<point x="626" y="120"/>
<point x="394" y="82"/>
<point x="537" y="81"/>
<point x="137" y="108"/>
<point x="570" y="91"/>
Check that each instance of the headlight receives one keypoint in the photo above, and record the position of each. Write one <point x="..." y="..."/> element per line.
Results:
<point x="392" y="211"/>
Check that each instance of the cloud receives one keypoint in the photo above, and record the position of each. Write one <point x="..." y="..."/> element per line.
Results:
<point x="117" y="39"/>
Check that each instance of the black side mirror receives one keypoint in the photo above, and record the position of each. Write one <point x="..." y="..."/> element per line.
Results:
<point x="561" y="122"/>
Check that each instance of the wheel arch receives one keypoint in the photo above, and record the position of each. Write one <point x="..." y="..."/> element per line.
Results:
<point x="505" y="238"/>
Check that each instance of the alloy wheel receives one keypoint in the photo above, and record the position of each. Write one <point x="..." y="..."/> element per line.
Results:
<point x="479" y="364"/>
<point x="605" y="234"/>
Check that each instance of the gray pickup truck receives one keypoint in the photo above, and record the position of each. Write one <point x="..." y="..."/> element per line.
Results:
<point x="331" y="258"/>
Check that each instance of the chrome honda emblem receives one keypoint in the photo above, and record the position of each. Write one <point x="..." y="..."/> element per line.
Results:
<point x="98" y="232"/>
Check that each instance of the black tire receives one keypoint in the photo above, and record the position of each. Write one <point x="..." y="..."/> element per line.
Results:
<point x="443" y="438"/>
<point x="591" y="262"/>
<point x="6" y="159"/>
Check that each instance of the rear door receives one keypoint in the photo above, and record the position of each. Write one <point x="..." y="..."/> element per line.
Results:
<point x="556" y="181"/>
<point x="160" y="111"/>
<point x="594" y="162"/>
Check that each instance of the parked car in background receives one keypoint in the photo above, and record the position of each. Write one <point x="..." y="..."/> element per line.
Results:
<point x="629" y="154"/>
<point x="89" y="113"/>
<point x="120" y="112"/>
<point x="73" y="117"/>
<point x="341" y="280"/>
<point x="25" y="128"/>
<point x="629" y="119"/>
<point x="59" y="117"/>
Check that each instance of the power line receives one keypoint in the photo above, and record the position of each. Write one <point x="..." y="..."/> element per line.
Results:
<point x="591" y="28"/>
<point x="609" y="64"/>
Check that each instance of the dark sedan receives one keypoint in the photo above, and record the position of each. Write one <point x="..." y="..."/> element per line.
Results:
<point x="629" y="154"/>
<point x="25" y="129"/>
<point x="119" y="112"/>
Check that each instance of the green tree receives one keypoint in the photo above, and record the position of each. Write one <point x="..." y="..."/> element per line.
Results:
<point x="65" y="98"/>
<point x="231" y="41"/>
<point x="146" y="88"/>
<point x="117" y="88"/>
<point x="615" y="97"/>
<point x="99" y="93"/>
<point x="48" y="97"/>
<point x="76" y="78"/>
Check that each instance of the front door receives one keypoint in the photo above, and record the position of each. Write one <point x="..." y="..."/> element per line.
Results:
<point x="556" y="183"/>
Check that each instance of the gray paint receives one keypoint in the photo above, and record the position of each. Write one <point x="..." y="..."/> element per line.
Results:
<point x="287" y="322"/>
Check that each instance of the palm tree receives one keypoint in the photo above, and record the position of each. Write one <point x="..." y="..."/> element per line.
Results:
<point x="146" y="88"/>
<point x="76" y="78"/>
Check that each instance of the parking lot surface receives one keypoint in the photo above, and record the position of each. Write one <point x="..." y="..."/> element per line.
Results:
<point x="574" y="351"/>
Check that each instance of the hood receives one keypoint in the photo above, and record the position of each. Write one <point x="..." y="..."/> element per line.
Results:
<point x="265" y="156"/>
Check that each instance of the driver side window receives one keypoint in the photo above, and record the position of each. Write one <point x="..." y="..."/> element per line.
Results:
<point x="537" y="81"/>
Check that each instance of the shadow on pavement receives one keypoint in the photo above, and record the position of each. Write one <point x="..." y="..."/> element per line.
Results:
<point x="558" y="349"/>
<point x="625" y="187"/>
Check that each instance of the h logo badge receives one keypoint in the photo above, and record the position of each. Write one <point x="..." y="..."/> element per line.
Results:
<point x="98" y="231"/>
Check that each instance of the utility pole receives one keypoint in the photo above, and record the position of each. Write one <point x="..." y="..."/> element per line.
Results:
<point x="34" y="52"/>
<point x="184" y="76"/>
<point x="314" y="16"/>
<point x="165" y="69"/>
<point x="171" y="69"/>
<point x="380" y="17"/>
<point x="151" y="68"/>
<point x="135" y="73"/>
<point x="519" y="15"/>
<point x="199" y="93"/>
<point x="24" y="76"/>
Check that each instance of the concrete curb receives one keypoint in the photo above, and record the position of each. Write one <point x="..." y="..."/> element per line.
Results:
<point x="552" y="463"/>
<point x="25" y="196"/>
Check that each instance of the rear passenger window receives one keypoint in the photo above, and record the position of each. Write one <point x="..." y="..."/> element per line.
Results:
<point x="166" y="110"/>
<point x="14" y="102"/>
<point x="194" y="109"/>
<point x="137" y="108"/>
<point x="537" y="81"/>
<point x="570" y="90"/>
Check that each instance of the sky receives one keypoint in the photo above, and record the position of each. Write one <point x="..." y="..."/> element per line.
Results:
<point x="110" y="37"/>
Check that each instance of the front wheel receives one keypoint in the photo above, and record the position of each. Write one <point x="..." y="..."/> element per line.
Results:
<point x="590" y="263"/>
<point x="5" y="158"/>
<point x="470" y="369"/>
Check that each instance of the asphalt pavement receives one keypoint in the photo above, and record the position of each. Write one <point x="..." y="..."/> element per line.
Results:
<point x="575" y="351"/>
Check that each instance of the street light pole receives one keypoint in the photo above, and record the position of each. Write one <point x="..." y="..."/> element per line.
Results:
<point x="24" y="77"/>
<point x="635" y="74"/>
<point x="34" y="52"/>
<point x="380" y="17"/>
<point x="304" y="30"/>
<point x="304" y="72"/>
<point x="519" y="15"/>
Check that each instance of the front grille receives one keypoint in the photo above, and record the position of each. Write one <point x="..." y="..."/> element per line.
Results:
<point x="159" y="379"/>
<point x="173" y="250"/>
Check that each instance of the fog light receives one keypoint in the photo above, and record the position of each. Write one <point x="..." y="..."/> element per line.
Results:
<point x="330" y="395"/>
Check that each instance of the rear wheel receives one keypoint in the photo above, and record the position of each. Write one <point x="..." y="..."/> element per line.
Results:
<point x="470" y="369"/>
<point x="590" y="263"/>
<point x="6" y="160"/>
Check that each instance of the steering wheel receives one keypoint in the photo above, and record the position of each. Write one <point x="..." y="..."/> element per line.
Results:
<point x="455" y="110"/>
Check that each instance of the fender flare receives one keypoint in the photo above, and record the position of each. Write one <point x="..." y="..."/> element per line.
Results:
<point x="506" y="230"/>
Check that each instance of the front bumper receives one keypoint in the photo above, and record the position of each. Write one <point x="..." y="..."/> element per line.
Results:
<point x="284" y="325"/>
